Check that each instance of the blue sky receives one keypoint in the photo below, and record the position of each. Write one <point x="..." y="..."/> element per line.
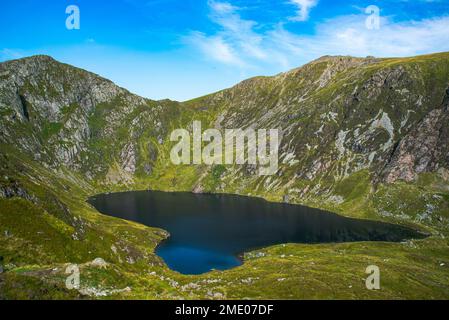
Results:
<point x="182" y="49"/>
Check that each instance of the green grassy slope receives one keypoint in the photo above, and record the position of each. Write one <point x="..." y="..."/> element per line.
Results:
<point x="343" y="121"/>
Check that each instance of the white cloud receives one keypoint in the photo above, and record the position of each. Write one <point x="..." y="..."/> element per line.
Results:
<point x="348" y="36"/>
<point x="215" y="48"/>
<point x="304" y="7"/>
<point x="221" y="7"/>
<point x="240" y="42"/>
<point x="235" y="42"/>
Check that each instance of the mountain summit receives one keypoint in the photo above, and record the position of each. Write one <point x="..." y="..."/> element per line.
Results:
<point x="363" y="137"/>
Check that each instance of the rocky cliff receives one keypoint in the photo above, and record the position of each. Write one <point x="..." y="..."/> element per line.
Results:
<point x="363" y="137"/>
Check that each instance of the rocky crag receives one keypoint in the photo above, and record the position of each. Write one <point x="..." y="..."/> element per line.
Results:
<point x="363" y="137"/>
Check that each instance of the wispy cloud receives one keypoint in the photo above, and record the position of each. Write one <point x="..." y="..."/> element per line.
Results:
<point x="241" y="42"/>
<point x="222" y="7"/>
<point x="215" y="47"/>
<point x="304" y="7"/>
<point x="235" y="42"/>
<point x="347" y="35"/>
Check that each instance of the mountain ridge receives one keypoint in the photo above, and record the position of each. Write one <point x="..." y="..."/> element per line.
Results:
<point x="362" y="137"/>
<point x="67" y="109"/>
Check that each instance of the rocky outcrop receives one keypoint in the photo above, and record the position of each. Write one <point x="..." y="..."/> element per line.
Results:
<point x="424" y="149"/>
<point x="336" y="115"/>
<point x="14" y="189"/>
<point x="65" y="116"/>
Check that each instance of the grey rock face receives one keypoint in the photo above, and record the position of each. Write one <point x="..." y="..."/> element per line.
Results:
<point x="128" y="158"/>
<point x="14" y="189"/>
<point x="424" y="149"/>
<point x="336" y="116"/>
<point x="58" y="113"/>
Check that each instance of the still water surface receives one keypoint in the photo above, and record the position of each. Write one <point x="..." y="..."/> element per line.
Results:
<point x="211" y="231"/>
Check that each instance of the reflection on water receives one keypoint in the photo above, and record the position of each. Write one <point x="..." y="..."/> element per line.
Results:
<point x="210" y="231"/>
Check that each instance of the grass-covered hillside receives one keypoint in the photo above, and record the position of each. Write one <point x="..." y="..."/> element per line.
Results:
<point x="367" y="138"/>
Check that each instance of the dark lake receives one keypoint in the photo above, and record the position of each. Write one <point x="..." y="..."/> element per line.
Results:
<point x="211" y="231"/>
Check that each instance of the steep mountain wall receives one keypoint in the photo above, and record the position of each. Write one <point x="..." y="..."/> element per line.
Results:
<point x="383" y="119"/>
<point x="366" y="138"/>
